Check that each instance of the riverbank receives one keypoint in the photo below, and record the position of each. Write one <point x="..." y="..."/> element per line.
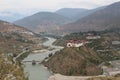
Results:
<point x="62" y="77"/>
<point x="100" y="77"/>
<point x="111" y="73"/>
<point x="38" y="71"/>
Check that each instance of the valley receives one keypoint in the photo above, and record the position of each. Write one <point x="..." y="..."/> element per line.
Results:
<point x="38" y="71"/>
<point x="64" y="44"/>
<point x="15" y="44"/>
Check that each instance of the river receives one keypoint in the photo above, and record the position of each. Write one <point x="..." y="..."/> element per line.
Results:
<point x="39" y="72"/>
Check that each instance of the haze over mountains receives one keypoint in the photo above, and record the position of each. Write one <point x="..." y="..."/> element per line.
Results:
<point x="52" y="21"/>
<point x="10" y="16"/>
<point x="76" y="13"/>
<point x="71" y="12"/>
<point x="106" y="18"/>
<point x="43" y="21"/>
<point x="72" y="19"/>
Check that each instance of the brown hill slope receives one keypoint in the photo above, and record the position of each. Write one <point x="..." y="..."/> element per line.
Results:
<point x="106" y="18"/>
<point x="11" y="41"/>
<point x="85" y="59"/>
<point x="75" y="61"/>
<point x="8" y="27"/>
<point x="13" y="38"/>
<point x="9" y="70"/>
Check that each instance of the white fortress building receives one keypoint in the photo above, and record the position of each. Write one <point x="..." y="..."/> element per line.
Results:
<point x="75" y="43"/>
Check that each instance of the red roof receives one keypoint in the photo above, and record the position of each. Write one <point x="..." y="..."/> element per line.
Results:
<point x="75" y="41"/>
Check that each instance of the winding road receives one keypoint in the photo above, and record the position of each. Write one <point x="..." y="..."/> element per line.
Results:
<point x="24" y="51"/>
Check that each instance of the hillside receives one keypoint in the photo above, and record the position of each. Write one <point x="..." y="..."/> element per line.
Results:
<point x="13" y="41"/>
<point x="87" y="13"/>
<point x="87" y="58"/>
<point x="9" y="70"/>
<point x="43" y="21"/>
<point x="13" y="38"/>
<point x="71" y="12"/>
<point x="102" y="19"/>
<point x="79" y="13"/>
<point x="75" y="61"/>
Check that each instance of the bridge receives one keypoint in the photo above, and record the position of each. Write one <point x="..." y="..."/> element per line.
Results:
<point x="32" y="62"/>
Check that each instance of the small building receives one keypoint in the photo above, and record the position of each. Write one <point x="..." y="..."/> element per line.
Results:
<point x="93" y="37"/>
<point x="115" y="42"/>
<point x="75" y="43"/>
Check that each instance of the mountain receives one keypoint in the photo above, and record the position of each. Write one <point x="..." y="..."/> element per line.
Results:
<point x="52" y="22"/>
<point x="7" y="65"/>
<point x="6" y="27"/>
<point x="13" y="39"/>
<point x="106" y="18"/>
<point x="70" y="12"/>
<point x="76" y="13"/>
<point x="43" y="21"/>
<point x="10" y="16"/>
<point x="86" y="13"/>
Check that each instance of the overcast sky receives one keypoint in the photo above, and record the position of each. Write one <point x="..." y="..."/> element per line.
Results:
<point x="50" y="5"/>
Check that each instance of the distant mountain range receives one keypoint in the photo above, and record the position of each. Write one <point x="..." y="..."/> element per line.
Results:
<point x="77" y="13"/>
<point x="51" y="22"/>
<point x="71" y="13"/>
<point x="43" y="21"/>
<point x="73" y="20"/>
<point x="106" y="18"/>
<point x="10" y="16"/>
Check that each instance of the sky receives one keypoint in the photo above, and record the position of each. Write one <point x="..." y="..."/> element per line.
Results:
<point x="27" y="6"/>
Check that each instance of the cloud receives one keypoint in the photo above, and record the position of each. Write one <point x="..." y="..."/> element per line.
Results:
<point x="87" y="3"/>
<point x="50" y="5"/>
